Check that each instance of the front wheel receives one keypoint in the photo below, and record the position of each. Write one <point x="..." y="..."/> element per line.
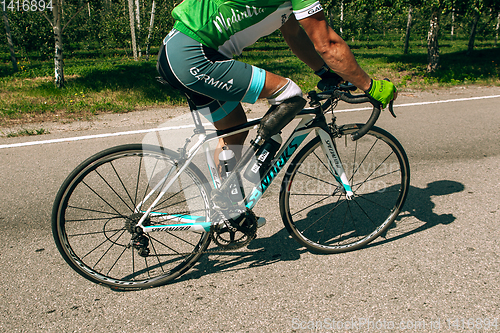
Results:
<point x="101" y="201"/>
<point x="314" y="207"/>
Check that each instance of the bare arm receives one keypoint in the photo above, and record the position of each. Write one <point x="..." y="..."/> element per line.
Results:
<point x="334" y="51"/>
<point x="300" y="44"/>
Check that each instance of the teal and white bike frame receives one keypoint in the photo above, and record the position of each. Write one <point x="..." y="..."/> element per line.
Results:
<point x="311" y="119"/>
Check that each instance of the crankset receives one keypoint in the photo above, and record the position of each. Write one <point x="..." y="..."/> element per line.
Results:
<point x="237" y="231"/>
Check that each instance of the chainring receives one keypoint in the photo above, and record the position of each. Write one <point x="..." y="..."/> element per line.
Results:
<point x="236" y="233"/>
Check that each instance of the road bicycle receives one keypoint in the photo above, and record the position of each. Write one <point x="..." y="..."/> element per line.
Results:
<point x="138" y="215"/>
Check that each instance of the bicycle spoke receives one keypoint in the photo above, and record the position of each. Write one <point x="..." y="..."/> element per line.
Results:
<point x="117" y="212"/>
<point x="113" y="190"/>
<point x="156" y="253"/>
<point x="372" y="179"/>
<point x="366" y="155"/>
<point x="116" y="261"/>
<point x="121" y="182"/>
<point x="138" y="178"/>
<point x="93" y="210"/>
<point x="365" y="213"/>
<point x="313" y="204"/>
<point x="316" y="178"/>
<point x="92" y="233"/>
<point x="344" y="224"/>
<point x="148" y="183"/>
<point x="166" y="246"/>
<point x="337" y="204"/>
<point x="374" y="202"/>
<point x="324" y="165"/>
<point x="103" y="242"/>
<point x="377" y="168"/>
<point x="175" y="194"/>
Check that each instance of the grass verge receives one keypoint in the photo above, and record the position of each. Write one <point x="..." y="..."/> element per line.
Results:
<point x="115" y="83"/>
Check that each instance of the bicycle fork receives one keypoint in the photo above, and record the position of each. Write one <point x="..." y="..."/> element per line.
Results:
<point x="334" y="162"/>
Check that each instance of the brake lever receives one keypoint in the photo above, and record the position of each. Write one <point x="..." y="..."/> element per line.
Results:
<point x="391" y="108"/>
<point x="391" y="103"/>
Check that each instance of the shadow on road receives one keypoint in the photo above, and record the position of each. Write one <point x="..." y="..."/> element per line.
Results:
<point x="419" y="205"/>
<point x="281" y="247"/>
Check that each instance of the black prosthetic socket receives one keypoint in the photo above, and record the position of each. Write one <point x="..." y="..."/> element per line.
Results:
<point x="278" y="117"/>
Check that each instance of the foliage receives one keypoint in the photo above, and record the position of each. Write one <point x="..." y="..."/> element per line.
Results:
<point x="108" y="81"/>
<point x="101" y="77"/>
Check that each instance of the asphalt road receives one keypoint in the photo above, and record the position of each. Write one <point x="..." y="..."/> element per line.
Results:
<point x="439" y="270"/>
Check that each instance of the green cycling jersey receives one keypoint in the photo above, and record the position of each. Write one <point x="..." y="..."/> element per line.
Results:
<point x="230" y="26"/>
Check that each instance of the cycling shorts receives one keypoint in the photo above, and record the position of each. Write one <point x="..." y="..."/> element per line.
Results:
<point x="214" y="83"/>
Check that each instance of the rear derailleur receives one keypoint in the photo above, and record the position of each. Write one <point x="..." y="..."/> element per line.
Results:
<point x="139" y="241"/>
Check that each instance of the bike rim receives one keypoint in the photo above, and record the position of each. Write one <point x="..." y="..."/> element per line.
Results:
<point x="98" y="205"/>
<point x="319" y="213"/>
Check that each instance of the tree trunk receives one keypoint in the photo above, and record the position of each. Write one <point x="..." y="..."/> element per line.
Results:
<point x="150" y="30"/>
<point x="497" y="27"/>
<point x="408" y="29"/>
<point x="132" y="28"/>
<point x="138" y="31"/>
<point x="473" y="30"/>
<point x="58" y="55"/>
<point x="9" y="40"/>
<point x="341" y="17"/>
<point x="432" y="41"/>
<point x="452" y="23"/>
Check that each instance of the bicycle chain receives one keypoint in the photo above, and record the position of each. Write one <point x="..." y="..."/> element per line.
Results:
<point x="245" y="223"/>
<point x="253" y="230"/>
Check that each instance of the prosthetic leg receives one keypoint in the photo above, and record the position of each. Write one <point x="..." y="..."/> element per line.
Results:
<point x="274" y="121"/>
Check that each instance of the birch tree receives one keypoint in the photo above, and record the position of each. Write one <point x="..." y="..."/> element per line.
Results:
<point x="432" y="39"/>
<point x="496" y="28"/>
<point x="132" y="28"/>
<point x="437" y="7"/>
<point x="138" y="31"/>
<point x="58" y="28"/>
<point x="150" y="30"/>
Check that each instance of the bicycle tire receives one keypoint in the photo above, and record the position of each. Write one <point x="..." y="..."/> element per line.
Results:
<point x="94" y="206"/>
<point x="314" y="208"/>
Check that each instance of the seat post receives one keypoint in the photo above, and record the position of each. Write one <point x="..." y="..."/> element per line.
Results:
<point x="198" y="126"/>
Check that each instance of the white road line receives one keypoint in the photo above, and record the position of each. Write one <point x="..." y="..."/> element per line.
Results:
<point x="107" y="135"/>
<point x="427" y="103"/>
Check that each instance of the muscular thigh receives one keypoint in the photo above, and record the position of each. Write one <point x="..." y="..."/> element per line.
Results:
<point x="214" y="82"/>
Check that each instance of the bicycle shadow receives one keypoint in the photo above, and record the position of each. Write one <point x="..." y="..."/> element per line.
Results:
<point x="281" y="247"/>
<point x="420" y="206"/>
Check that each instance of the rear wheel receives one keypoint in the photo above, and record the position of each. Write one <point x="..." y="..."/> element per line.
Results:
<point x="314" y="207"/>
<point x="99" y="204"/>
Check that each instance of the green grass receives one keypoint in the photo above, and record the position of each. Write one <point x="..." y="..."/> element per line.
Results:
<point x="27" y="132"/>
<point x="112" y="82"/>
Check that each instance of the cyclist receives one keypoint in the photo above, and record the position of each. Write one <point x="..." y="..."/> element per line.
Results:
<point x="196" y="57"/>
